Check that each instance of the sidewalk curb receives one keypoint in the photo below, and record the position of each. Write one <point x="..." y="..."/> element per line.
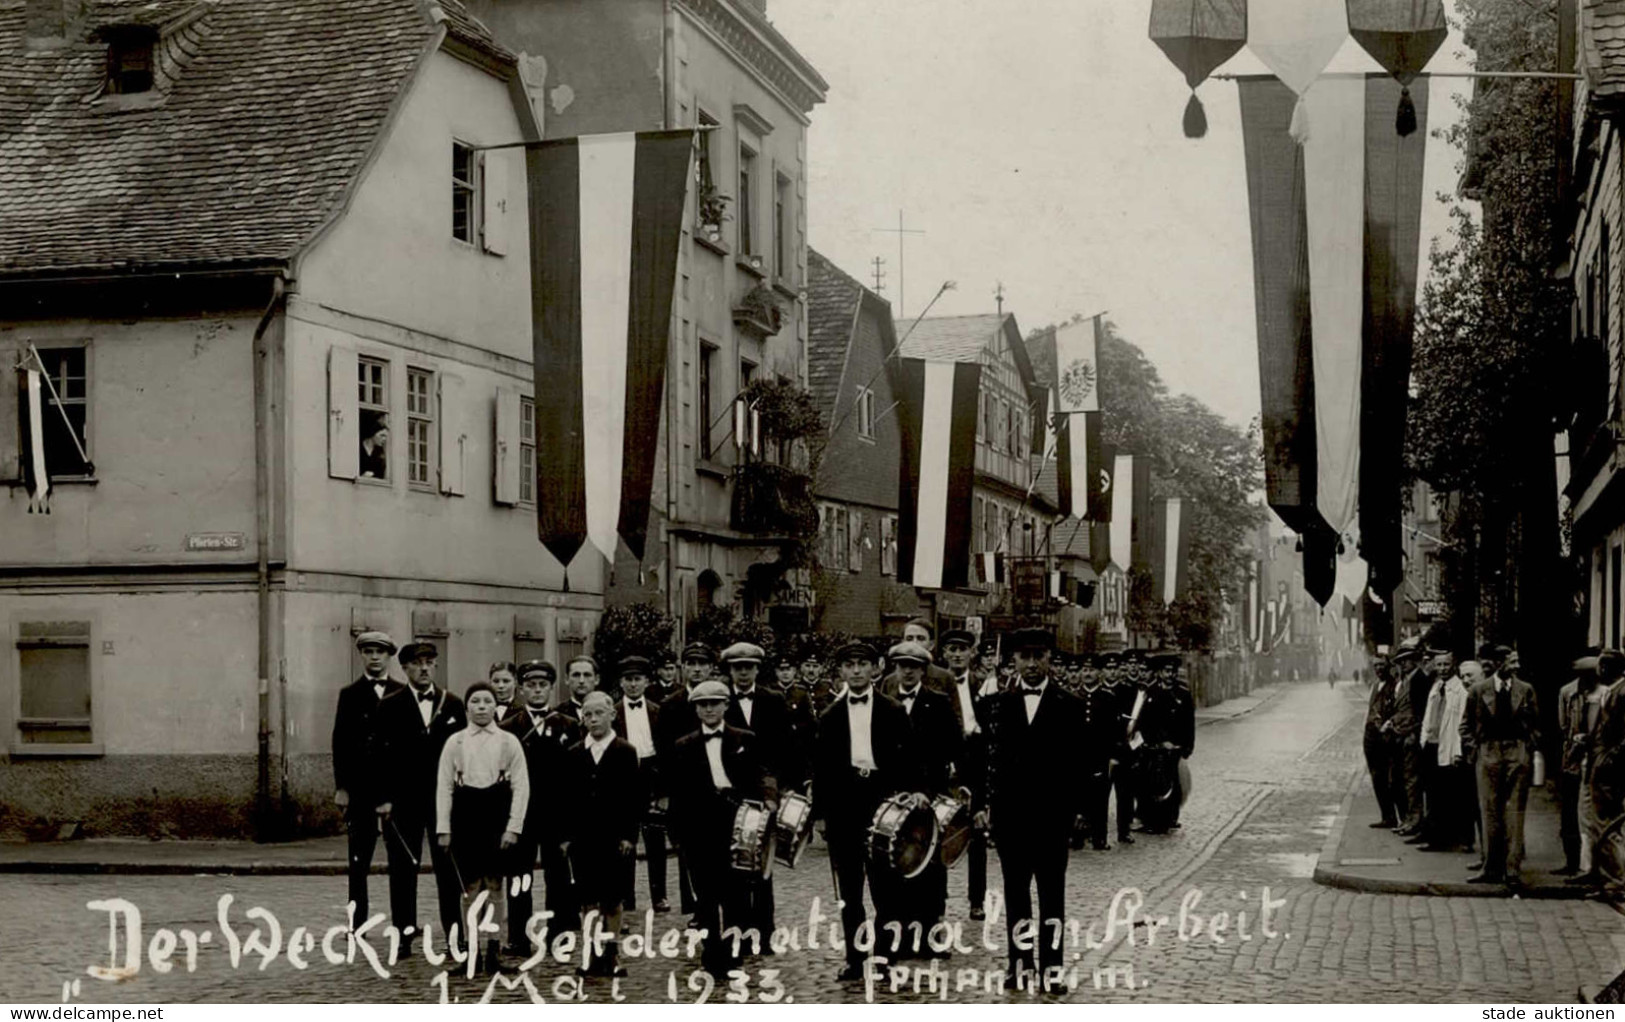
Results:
<point x="1280" y="690"/>
<point x="1332" y="876"/>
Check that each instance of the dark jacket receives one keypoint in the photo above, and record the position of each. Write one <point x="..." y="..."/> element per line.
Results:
<point x="937" y="679"/>
<point x="677" y="718"/>
<point x="1481" y="709"/>
<point x="774" y="728"/>
<point x="840" y="796"/>
<point x="1102" y="722"/>
<point x="355" y="739"/>
<point x="938" y="741"/>
<point x="702" y="813"/>
<point x="604" y="801"/>
<point x="1031" y="767"/>
<point x="544" y="743"/>
<point x="409" y="759"/>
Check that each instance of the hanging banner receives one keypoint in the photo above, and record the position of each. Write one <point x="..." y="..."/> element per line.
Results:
<point x="1198" y="36"/>
<point x="936" y="415"/>
<point x="1296" y="39"/>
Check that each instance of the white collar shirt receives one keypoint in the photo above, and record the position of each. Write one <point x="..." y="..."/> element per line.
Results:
<point x="637" y="727"/>
<point x="425" y="706"/>
<point x="1032" y="696"/>
<point x="908" y="697"/>
<point x="746" y="698"/>
<point x="596" y="746"/>
<point x="378" y="687"/>
<point x="967" y="703"/>
<point x="479" y="757"/>
<point x="859" y="716"/>
<point x="713" y="754"/>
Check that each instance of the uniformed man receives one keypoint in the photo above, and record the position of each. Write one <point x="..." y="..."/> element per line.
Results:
<point x="713" y="768"/>
<point x="356" y="746"/>
<point x="1168" y="725"/>
<point x="937" y="741"/>
<point x="1131" y="697"/>
<point x="863" y="757"/>
<point x="1100" y="722"/>
<point x="543" y="735"/>
<point x="959" y="650"/>
<point x="667" y="678"/>
<point x="1032" y="739"/>
<point x="637" y="719"/>
<point x="414" y="724"/>
<point x="765" y="714"/>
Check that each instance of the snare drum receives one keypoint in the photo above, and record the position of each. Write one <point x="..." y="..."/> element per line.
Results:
<point x="903" y="836"/>
<point x="953" y="828"/>
<point x="792" y="831"/>
<point x="752" y="848"/>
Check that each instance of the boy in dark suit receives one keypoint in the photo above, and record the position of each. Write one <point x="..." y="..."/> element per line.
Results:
<point x="862" y="758"/>
<point x="606" y="800"/>
<point x="355" y="743"/>
<point x="712" y="770"/>
<point x="414" y="723"/>
<point x="637" y="719"/>
<point x="937" y="742"/>
<point x="544" y="736"/>
<point x="1032" y="735"/>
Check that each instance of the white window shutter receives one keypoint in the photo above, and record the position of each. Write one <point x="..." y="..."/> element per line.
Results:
<point x="11" y="434"/>
<point x="343" y="414"/>
<point x="453" y="437"/>
<point x="494" y="198"/>
<point x="854" y="542"/>
<point x="507" y="446"/>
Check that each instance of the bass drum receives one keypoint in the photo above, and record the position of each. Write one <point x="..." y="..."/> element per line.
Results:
<point x="903" y="836"/>
<point x="954" y="828"/>
<point x="1184" y="782"/>
<point x="752" y="847"/>
<point x="793" y="828"/>
<point x="1157" y="788"/>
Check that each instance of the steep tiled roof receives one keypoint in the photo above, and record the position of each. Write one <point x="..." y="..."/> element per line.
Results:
<point x="464" y="26"/>
<point x="952" y="338"/>
<point x="1602" y="48"/>
<point x="832" y="308"/>
<point x="239" y="157"/>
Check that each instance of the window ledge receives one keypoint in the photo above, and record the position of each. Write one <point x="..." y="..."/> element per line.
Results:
<point x="719" y="247"/>
<point x="47" y="750"/>
<point x="375" y="481"/>
<point x="18" y="484"/>
<point x="786" y="290"/>
<point x="745" y="264"/>
<point x="870" y="440"/>
<point x="707" y="467"/>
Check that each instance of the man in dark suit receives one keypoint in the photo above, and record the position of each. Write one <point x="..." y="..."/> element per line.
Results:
<point x="580" y="681"/>
<point x="712" y="769"/>
<point x="606" y="799"/>
<point x="413" y="725"/>
<point x="937" y="742"/>
<point x="1101" y="724"/>
<point x="1378" y="757"/>
<point x="1169" y="723"/>
<point x="863" y="756"/>
<point x="959" y="652"/>
<point x="1500" y="733"/>
<point x="678" y="717"/>
<point x="355" y="774"/>
<point x="764" y="713"/>
<point x="1130" y="697"/>
<point x="544" y="736"/>
<point x="668" y="681"/>
<point x="1032" y="736"/>
<point x="637" y="719"/>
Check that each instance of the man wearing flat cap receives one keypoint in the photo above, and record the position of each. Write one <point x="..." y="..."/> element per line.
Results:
<point x="919" y="631"/>
<point x="1032" y="731"/>
<point x="414" y="724"/>
<point x="863" y="757"/>
<point x="764" y="713"/>
<point x="938" y="745"/>
<point x="959" y="652"/>
<point x="1500" y="733"/>
<point x="543" y="735"/>
<point x="678" y="718"/>
<point x="712" y="770"/>
<point x="357" y="785"/>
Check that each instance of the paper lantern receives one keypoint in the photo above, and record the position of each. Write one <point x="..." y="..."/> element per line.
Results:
<point x="1402" y="36"/>
<point x="1296" y="39"/>
<point x="1198" y="36"/>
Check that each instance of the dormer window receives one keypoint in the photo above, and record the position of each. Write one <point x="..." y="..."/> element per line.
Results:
<point x="130" y="62"/>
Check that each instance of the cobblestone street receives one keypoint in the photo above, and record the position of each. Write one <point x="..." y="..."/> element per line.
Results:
<point x="1267" y="789"/>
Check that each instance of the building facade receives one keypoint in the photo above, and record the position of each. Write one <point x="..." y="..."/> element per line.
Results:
<point x="295" y="347"/>
<point x="739" y="312"/>
<point x="850" y="343"/>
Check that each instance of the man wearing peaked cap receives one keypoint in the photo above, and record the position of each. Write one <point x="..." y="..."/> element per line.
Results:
<point x="355" y="758"/>
<point x="959" y="652"/>
<point x="764" y="713"/>
<point x="712" y="770"/>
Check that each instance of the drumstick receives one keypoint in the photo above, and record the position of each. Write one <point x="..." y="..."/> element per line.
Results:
<point x="402" y="842"/>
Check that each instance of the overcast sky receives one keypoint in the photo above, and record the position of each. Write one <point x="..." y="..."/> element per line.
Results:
<point x="1038" y="143"/>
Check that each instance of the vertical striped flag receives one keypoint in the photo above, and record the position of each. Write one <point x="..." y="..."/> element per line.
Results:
<point x="1175" y="540"/>
<point x="936" y="415"/>
<point x="1122" y="520"/>
<point x="606" y="214"/>
<point x="36" y="474"/>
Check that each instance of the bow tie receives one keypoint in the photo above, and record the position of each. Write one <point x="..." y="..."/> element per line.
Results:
<point x="1032" y="690"/>
<point x="634" y="704"/>
<point x="909" y="695"/>
<point x="426" y="697"/>
<point x="857" y="700"/>
<point x="714" y="736"/>
<point x="746" y="695"/>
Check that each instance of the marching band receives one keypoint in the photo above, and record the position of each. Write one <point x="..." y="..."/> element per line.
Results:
<point x="903" y="764"/>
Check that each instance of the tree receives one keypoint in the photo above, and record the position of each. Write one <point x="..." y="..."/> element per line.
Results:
<point x="633" y="629"/>
<point x="1491" y="334"/>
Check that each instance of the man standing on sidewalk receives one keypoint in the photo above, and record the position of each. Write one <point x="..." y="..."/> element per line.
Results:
<point x="1379" y="707"/>
<point x="355" y="767"/>
<point x="1405" y="753"/>
<point x="1500" y="733"/>
<point x="1575" y="719"/>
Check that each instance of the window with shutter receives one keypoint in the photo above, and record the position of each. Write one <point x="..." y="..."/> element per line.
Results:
<point x="855" y="538"/>
<point x="344" y="436"/>
<point x="509" y="475"/>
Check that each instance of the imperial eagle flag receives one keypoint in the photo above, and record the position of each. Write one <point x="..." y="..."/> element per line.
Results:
<point x="1078" y="460"/>
<point x="936" y="415"/>
<point x="606" y="214"/>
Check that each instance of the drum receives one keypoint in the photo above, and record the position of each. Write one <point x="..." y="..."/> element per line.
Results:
<point x="903" y="836"/>
<point x="953" y="828"/>
<point x="1184" y="782"/>
<point x="659" y="814"/>
<point x="752" y="848"/>
<point x="792" y="829"/>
